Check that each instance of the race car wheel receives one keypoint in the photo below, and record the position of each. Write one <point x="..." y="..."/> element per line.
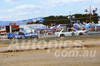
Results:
<point x="73" y="34"/>
<point x="28" y="37"/>
<point x="62" y="35"/>
<point x="80" y="34"/>
<point x="12" y="38"/>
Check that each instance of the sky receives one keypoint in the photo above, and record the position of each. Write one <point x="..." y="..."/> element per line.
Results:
<point x="14" y="10"/>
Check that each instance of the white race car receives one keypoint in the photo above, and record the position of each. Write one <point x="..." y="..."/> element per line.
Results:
<point x="70" y="32"/>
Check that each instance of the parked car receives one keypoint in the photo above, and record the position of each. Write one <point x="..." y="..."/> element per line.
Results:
<point x="70" y="32"/>
<point x="22" y="35"/>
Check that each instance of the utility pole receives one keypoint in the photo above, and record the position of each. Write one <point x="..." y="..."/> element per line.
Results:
<point x="90" y="19"/>
<point x="90" y="15"/>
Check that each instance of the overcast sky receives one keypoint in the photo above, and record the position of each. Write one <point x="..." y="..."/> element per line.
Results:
<point x="24" y="9"/>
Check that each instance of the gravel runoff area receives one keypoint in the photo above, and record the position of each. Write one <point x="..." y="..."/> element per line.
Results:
<point x="87" y="40"/>
<point x="47" y="57"/>
<point x="42" y="58"/>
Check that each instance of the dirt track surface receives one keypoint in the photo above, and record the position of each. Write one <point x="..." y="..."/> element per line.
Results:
<point x="53" y="44"/>
<point x="30" y="57"/>
<point x="42" y="58"/>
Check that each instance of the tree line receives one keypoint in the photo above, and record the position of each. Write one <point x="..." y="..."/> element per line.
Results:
<point x="64" y="19"/>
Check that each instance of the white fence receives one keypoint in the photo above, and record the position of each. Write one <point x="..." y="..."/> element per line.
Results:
<point x="3" y="37"/>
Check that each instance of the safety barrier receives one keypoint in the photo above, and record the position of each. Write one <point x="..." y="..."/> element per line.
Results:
<point x="3" y="37"/>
